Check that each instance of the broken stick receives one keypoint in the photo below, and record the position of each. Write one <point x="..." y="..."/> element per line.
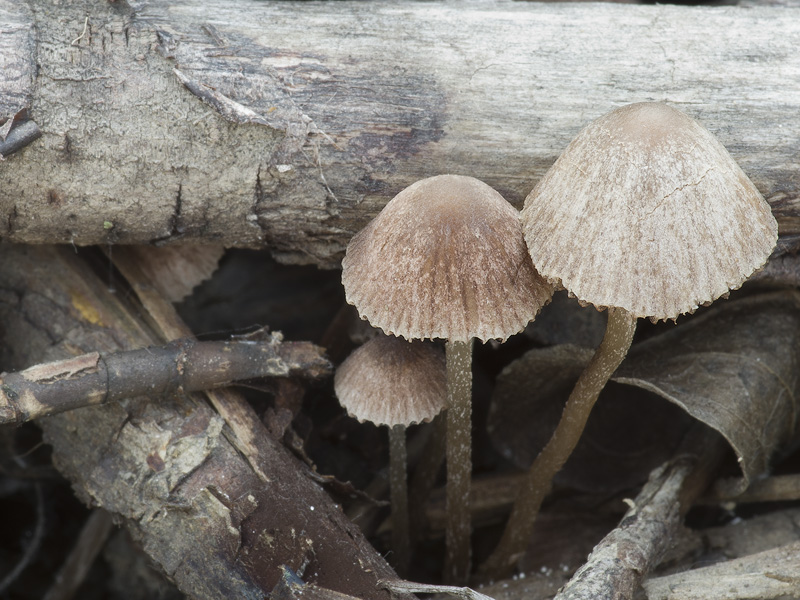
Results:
<point x="186" y="365"/>
<point x="618" y="564"/>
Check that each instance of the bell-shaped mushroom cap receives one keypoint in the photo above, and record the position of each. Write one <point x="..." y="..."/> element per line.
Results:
<point x="645" y="210"/>
<point x="389" y="381"/>
<point x="445" y="258"/>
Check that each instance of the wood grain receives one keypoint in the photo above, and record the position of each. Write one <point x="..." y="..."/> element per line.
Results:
<point x="288" y="125"/>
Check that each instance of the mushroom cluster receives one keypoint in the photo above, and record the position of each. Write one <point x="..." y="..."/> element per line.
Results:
<point x="446" y="259"/>
<point x="646" y="214"/>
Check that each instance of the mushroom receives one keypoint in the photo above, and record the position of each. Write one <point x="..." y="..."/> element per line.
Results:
<point x="646" y="214"/>
<point x="389" y="381"/>
<point x="445" y="258"/>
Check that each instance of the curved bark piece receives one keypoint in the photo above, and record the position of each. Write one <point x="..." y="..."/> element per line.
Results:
<point x="288" y="125"/>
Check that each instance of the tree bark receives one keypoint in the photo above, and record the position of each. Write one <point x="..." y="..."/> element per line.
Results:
<point x="288" y="125"/>
<point x="220" y="506"/>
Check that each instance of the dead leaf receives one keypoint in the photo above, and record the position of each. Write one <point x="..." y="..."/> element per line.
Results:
<point x="621" y="444"/>
<point x="565" y="321"/>
<point x="735" y="368"/>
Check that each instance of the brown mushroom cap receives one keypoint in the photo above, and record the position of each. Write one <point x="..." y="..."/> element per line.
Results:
<point x="389" y="381"/>
<point x="645" y="210"/>
<point x="445" y="258"/>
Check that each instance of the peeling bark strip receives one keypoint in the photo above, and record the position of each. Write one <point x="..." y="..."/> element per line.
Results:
<point x="288" y="125"/>
<point x="169" y="469"/>
<point x="190" y="366"/>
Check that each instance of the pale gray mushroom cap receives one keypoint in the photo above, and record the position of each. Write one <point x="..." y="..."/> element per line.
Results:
<point x="645" y="210"/>
<point x="389" y="381"/>
<point x="445" y="258"/>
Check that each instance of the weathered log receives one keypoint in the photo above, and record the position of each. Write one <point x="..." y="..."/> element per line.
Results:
<point x="288" y="125"/>
<point x="218" y="521"/>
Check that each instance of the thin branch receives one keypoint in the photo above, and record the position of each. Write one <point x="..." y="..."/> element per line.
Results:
<point x="622" y="559"/>
<point x="93" y="378"/>
<point x="617" y="564"/>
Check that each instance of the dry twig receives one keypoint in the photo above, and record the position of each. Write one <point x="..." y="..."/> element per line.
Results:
<point x="192" y="366"/>
<point x="622" y="559"/>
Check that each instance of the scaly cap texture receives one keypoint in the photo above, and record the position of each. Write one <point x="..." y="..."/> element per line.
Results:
<point x="445" y="258"/>
<point x="645" y="210"/>
<point x="389" y="381"/>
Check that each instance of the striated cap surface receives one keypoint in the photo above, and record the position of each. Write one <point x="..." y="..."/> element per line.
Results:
<point x="445" y="258"/>
<point x="645" y="210"/>
<point x="389" y="381"/>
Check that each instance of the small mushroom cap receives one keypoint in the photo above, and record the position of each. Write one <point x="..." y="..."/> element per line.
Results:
<point x="389" y="381"/>
<point x="445" y="258"/>
<point x="645" y="210"/>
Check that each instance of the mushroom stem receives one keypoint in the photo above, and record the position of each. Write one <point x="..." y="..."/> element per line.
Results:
<point x="539" y="479"/>
<point x="398" y="489"/>
<point x="459" y="461"/>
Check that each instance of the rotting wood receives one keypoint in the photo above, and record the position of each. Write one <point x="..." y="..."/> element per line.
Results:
<point x="186" y="365"/>
<point x="18" y="49"/>
<point x="246" y="427"/>
<point x="288" y="125"/>
<point x="170" y="468"/>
